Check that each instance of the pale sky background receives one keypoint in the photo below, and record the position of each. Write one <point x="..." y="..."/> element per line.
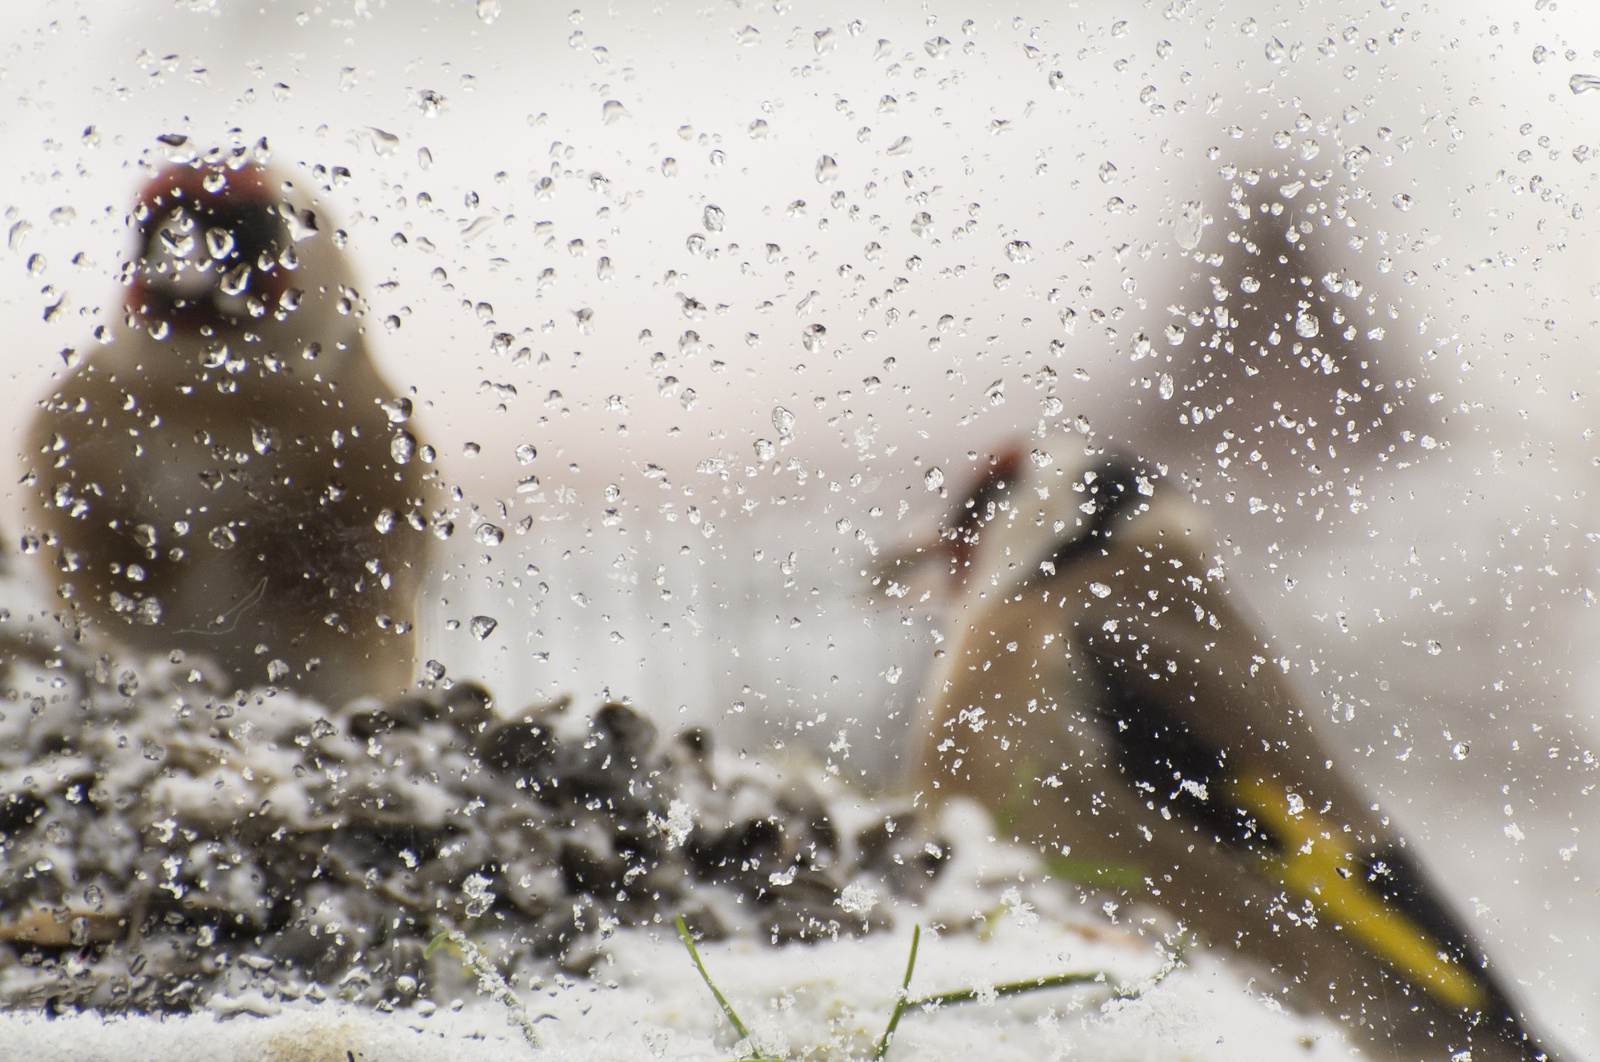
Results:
<point x="1443" y="603"/>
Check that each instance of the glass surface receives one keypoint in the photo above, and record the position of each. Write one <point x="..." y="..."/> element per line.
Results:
<point x="685" y="326"/>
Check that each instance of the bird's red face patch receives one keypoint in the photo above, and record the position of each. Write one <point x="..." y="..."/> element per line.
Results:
<point x="214" y="247"/>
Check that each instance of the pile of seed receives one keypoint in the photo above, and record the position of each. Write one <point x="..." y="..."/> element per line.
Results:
<point x="165" y="846"/>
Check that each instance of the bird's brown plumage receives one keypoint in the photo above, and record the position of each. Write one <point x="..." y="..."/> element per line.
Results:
<point x="1113" y="706"/>
<point x="219" y="477"/>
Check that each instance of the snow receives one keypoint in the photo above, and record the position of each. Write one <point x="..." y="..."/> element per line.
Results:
<point x="991" y="921"/>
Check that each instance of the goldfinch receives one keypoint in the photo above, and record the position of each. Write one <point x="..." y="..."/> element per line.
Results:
<point x="1110" y="703"/>
<point x="226" y="472"/>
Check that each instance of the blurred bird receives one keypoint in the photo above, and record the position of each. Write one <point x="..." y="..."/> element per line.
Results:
<point x="1274" y="371"/>
<point x="226" y="472"/>
<point x="1110" y="703"/>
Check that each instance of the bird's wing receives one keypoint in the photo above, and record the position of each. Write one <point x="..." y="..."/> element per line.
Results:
<point x="1200" y="715"/>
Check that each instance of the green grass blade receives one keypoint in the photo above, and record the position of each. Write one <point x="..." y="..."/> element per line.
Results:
<point x="722" y="1001"/>
<point x="490" y="982"/>
<point x="1011" y="988"/>
<point x="441" y="941"/>
<point x="902" y="1000"/>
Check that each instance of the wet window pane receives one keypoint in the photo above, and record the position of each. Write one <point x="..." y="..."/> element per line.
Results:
<point x="526" y="519"/>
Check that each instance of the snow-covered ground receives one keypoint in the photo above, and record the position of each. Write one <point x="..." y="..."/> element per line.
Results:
<point x="991" y="922"/>
<point x="944" y="191"/>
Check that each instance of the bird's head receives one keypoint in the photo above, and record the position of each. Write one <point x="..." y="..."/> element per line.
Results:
<point x="951" y="552"/>
<point x="216" y="247"/>
<point x="964" y="529"/>
<point x="1025" y="510"/>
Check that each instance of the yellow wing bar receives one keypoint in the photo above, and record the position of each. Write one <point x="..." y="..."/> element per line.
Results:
<point x="1319" y="866"/>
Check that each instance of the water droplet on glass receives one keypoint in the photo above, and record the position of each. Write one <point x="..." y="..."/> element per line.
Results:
<point x="526" y="453"/>
<point x="1058" y="80"/>
<point x="1402" y="201"/>
<point x="482" y="626"/>
<point x="236" y="280"/>
<point x="1581" y="83"/>
<point x="1019" y="251"/>
<point x="713" y="218"/>
<point x="1305" y="325"/>
<point x="263" y="439"/>
<point x="384" y="143"/>
<point x="783" y="420"/>
<point x="488" y="11"/>
<point x="811" y="338"/>
<point x="827" y="170"/>
<point x="1108" y="172"/>
<point x="612" y="111"/>
<point x="430" y="103"/>
<point x="220" y="242"/>
<point x="1100" y="589"/>
<point x="1249" y="285"/>
<point x="933" y="479"/>
<point x="765" y="450"/>
<point x="1175" y="334"/>
<point x="487" y="534"/>
<point x="277" y="670"/>
<point x="1460" y="749"/>
<point x="902" y="146"/>
<point x="1040" y="458"/>
<point x="1191" y="222"/>
<point x="1141" y="345"/>
<point x="398" y="410"/>
<point x="1274" y="51"/>
<point x="403" y="447"/>
<point x="1165" y="387"/>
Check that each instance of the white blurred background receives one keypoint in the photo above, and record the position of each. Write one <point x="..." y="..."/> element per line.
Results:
<point x="923" y="233"/>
